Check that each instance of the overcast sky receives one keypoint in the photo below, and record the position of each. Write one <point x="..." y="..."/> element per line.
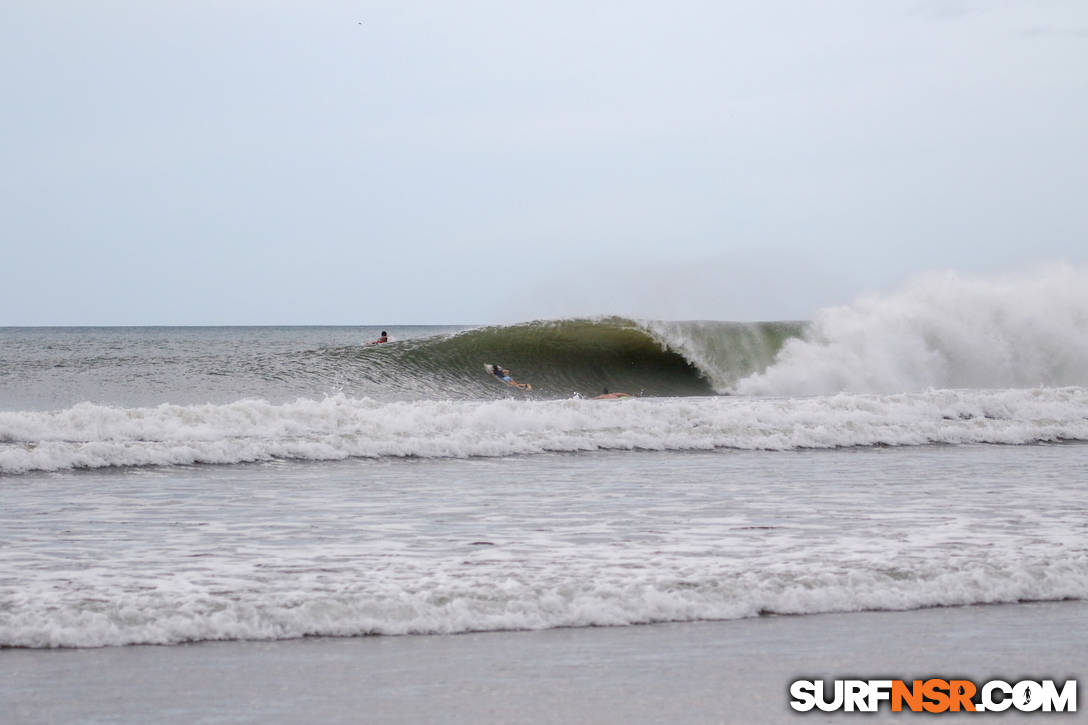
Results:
<point x="290" y="162"/>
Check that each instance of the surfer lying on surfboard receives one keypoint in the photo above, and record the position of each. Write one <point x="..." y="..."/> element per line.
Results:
<point x="504" y="375"/>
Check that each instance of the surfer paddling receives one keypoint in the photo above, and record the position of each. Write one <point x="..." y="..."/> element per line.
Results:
<point x="504" y="375"/>
<point x="384" y="337"/>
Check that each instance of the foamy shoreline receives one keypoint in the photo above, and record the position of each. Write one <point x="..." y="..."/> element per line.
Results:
<point x="730" y="672"/>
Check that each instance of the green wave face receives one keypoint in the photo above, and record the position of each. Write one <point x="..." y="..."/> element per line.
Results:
<point x="725" y="352"/>
<point x="562" y="358"/>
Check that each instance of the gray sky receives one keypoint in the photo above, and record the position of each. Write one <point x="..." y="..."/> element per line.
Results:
<point x="277" y="162"/>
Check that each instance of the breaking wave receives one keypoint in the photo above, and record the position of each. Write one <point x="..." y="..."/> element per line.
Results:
<point x="444" y="597"/>
<point x="942" y="331"/>
<point x="93" y="436"/>
<point x="560" y="358"/>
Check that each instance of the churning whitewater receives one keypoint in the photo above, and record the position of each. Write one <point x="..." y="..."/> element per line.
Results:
<point x="90" y="436"/>
<point x="945" y="360"/>
<point x="781" y="467"/>
<point x="942" y="331"/>
<point x="361" y="547"/>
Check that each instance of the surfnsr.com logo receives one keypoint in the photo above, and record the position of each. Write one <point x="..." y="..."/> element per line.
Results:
<point x="933" y="695"/>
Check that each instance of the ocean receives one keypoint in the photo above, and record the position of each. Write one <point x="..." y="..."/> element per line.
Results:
<point x="180" y="485"/>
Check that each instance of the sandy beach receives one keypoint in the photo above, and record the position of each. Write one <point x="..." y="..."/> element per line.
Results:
<point x="706" y="672"/>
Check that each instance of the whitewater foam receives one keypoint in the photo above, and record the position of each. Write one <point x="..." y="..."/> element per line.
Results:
<point x="451" y="601"/>
<point x="942" y="331"/>
<point x="274" y="552"/>
<point x="93" y="436"/>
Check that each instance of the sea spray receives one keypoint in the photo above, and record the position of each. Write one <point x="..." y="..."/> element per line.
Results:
<point x="942" y="331"/>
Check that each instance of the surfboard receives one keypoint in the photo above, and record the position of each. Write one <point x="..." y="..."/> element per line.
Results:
<point x="612" y="396"/>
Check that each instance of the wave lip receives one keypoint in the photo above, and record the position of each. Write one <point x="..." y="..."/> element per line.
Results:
<point x="338" y="427"/>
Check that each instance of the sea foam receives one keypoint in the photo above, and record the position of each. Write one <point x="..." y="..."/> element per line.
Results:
<point x="94" y="436"/>
<point x="447" y="597"/>
<point x="942" y="330"/>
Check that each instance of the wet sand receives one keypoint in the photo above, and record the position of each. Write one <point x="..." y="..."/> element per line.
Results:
<point x="706" y="672"/>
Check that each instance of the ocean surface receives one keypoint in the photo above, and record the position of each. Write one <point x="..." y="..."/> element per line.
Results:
<point x="169" y="485"/>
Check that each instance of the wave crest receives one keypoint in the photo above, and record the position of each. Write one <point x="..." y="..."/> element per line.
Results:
<point x="942" y="331"/>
